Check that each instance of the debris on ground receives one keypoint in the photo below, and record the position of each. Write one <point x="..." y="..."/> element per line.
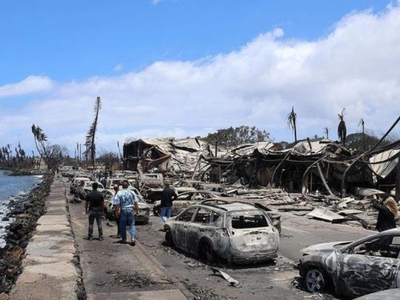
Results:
<point x="232" y="282"/>
<point x="135" y="280"/>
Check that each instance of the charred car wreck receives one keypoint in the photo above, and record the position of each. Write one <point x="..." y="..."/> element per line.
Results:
<point x="354" y="268"/>
<point x="236" y="232"/>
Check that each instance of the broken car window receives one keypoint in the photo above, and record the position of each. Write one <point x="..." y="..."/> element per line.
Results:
<point x="198" y="196"/>
<point x="249" y="221"/>
<point x="187" y="196"/>
<point x="385" y="246"/>
<point x="203" y="216"/>
<point x="187" y="215"/>
<point x="208" y="196"/>
<point x="215" y="217"/>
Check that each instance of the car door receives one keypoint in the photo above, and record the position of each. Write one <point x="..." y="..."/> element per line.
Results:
<point x="198" y="228"/>
<point x="370" y="266"/>
<point x="180" y="227"/>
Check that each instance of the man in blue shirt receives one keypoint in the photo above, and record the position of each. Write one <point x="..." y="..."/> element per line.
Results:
<point x="125" y="204"/>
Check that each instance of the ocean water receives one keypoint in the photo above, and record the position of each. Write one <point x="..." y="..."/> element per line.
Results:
<point x="12" y="187"/>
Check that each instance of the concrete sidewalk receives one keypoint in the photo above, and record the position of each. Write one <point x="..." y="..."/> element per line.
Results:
<point x="49" y="271"/>
<point x="59" y="257"/>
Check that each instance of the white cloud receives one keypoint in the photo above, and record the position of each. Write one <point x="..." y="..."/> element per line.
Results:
<point x="155" y="2"/>
<point x="354" y="67"/>
<point x="29" y="85"/>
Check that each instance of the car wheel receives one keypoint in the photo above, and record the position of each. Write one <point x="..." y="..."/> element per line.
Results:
<point x="169" y="242"/>
<point x="206" y="252"/>
<point x="315" y="280"/>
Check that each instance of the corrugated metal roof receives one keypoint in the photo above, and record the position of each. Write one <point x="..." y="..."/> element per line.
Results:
<point x="383" y="164"/>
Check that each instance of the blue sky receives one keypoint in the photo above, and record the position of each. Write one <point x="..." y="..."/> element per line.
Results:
<point x="74" y="40"/>
<point x="221" y="62"/>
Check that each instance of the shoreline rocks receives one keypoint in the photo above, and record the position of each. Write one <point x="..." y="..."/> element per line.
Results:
<point x="22" y="172"/>
<point x="26" y="212"/>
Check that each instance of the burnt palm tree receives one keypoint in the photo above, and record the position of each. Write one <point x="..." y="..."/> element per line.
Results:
<point x="291" y="120"/>
<point x="41" y="145"/>
<point x="342" y="128"/>
<point x="326" y="131"/>
<point x="90" y="136"/>
<point x="361" y="123"/>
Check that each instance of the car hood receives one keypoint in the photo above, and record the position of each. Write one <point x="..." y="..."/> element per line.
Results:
<point x="323" y="248"/>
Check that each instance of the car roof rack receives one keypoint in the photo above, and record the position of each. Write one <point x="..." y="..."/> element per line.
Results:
<point x="214" y="203"/>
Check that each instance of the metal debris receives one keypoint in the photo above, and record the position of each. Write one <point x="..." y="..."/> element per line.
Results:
<point x="232" y="282"/>
<point x="326" y="215"/>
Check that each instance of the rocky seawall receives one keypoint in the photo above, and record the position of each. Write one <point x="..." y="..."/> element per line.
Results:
<point x="22" y="172"/>
<point x="26" y="212"/>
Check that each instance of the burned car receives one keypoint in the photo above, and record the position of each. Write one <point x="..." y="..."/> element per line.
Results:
<point x="186" y="199"/>
<point x="356" y="268"/>
<point x="144" y="209"/>
<point x="76" y="182"/>
<point x="236" y="232"/>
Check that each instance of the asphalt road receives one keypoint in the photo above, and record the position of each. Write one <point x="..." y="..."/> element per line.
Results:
<point x="299" y="232"/>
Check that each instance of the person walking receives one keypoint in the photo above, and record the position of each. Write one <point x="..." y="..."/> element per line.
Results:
<point x="168" y="195"/>
<point x="125" y="204"/>
<point x="387" y="212"/>
<point x="116" y="190"/>
<point x="94" y="206"/>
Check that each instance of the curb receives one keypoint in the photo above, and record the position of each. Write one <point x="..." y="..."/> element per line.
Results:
<point x="179" y="284"/>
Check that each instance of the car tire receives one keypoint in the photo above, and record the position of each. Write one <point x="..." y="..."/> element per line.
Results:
<point x="206" y="252"/>
<point x="315" y="280"/>
<point x="169" y="242"/>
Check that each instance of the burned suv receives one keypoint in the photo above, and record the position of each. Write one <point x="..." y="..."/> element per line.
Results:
<point x="234" y="231"/>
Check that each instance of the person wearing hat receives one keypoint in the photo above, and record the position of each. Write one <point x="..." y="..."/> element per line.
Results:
<point x="94" y="206"/>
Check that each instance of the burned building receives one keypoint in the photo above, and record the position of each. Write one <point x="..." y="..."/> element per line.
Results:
<point x="311" y="165"/>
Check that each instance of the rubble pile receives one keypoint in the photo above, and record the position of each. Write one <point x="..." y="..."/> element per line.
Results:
<point x="350" y="210"/>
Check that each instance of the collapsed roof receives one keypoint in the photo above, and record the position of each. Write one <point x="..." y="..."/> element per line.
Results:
<point x="310" y="165"/>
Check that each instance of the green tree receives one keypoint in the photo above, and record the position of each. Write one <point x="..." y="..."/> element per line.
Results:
<point x="367" y="139"/>
<point x="231" y="137"/>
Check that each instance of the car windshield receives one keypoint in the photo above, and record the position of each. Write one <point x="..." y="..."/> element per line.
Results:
<point x="248" y="221"/>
